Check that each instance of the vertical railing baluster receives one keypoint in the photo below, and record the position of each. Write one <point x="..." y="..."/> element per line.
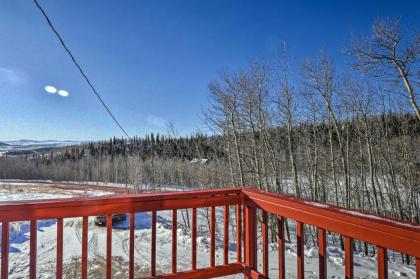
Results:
<point x="131" y="255"/>
<point x="153" y="253"/>
<point x="322" y="253"/>
<point x="85" y="223"/>
<point x="348" y="250"/>
<point x="264" y="229"/>
<point x="174" y="239"/>
<point x="33" y="249"/>
<point x="280" y="243"/>
<point x="250" y="238"/>
<point x="226" y="236"/>
<point x="108" y="246"/>
<point x="4" y="250"/>
<point x="300" y="235"/>
<point x="194" y="239"/>
<point x="59" y="259"/>
<point x="212" y="236"/>
<point x="382" y="263"/>
<point x="244" y="214"/>
<point x="254" y="236"/>
<point x="247" y="238"/>
<point x="239" y="232"/>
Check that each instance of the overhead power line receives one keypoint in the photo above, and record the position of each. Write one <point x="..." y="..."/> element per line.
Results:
<point x="80" y="68"/>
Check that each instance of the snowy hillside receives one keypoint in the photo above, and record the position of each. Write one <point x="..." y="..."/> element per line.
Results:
<point x="31" y="147"/>
<point x="25" y="142"/>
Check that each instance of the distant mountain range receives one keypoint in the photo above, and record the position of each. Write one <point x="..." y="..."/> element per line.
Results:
<point x="25" y="142"/>
<point x="29" y="147"/>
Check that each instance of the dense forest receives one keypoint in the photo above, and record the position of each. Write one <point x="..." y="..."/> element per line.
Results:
<point x="208" y="162"/>
<point x="345" y="135"/>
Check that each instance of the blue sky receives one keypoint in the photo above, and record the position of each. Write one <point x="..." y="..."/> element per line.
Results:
<point x="152" y="60"/>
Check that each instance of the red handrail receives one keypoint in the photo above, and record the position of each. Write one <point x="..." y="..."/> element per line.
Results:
<point x="385" y="233"/>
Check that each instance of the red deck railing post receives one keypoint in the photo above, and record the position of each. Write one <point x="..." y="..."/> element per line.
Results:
<point x="85" y="224"/>
<point x="300" y="238"/>
<point x="194" y="239"/>
<point x="4" y="250"/>
<point x="226" y="235"/>
<point x="33" y="248"/>
<point x="174" y="240"/>
<point x="348" y="258"/>
<point x="108" y="246"/>
<point x="244" y="214"/>
<point x="212" y="236"/>
<point x="264" y="228"/>
<point x="253" y="222"/>
<point x="153" y="252"/>
<point x="280" y="244"/>
<point x="131" y="244"/>
<point x="382" y="263"/>
<point x="322" y="253"/>
<point x="250" y="238"/>
<point x="59" y="260"/>
<point x="239" y="233"/>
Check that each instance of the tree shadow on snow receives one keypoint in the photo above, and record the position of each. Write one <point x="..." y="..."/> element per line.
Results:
<point x="19" y="232"/>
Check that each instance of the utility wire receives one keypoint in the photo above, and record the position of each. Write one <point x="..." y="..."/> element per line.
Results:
<point x="80" y="68"/>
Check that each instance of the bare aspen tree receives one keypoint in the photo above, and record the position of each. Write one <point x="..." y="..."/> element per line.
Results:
<point x="320" y="78"/>
<point x="311" y="140"/>
<point x="260" y="74"/>
<point x="226" y="100"/>
<point x="391" y="54"/>
<point x="285" y="105"/>
<point x="362" y="101"/>
<point x="248" y="111"/>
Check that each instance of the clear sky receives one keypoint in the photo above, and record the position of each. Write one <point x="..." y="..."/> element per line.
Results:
<point x="152" y="60"/>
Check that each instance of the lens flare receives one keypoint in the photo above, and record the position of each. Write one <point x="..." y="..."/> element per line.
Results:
<point x="63" y="93"/>
<point x="50" y="89"/>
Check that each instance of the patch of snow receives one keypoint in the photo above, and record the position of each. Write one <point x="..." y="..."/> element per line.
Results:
<point x="317" y="204"/>
<point x="199" y="161"/>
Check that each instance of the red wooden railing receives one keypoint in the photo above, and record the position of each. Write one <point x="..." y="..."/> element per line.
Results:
<point x="382" y="232"/>
<point x="385" y="233"/>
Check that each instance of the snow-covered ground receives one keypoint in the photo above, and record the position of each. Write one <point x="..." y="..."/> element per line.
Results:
<point x="365" y="267"/>
<point x="33" y="193"/>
